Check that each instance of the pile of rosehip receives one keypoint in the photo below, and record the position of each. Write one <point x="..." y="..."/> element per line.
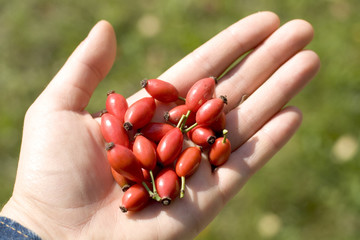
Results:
<point x="148" y="159"/>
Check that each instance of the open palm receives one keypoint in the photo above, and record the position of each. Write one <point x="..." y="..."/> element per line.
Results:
<point x="64" y="188"/>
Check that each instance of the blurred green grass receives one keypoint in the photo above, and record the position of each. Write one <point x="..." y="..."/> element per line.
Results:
<point x="308" y="191"/>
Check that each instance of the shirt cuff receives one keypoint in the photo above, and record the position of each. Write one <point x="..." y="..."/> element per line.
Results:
<point x="9" y="229"/>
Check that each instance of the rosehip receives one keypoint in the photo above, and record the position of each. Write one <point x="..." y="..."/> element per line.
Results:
<point x="155" y="131"/>
<point x="168" y="185"/>
<point x="123" y="182"/>
<point x="186" y="165"/>
<point x="170" y="146"/>
<point x="146" y="173"/>
<point x="202" y="136"/>
<point x="174" y="115"/>
<point x="210" y="110"/>
<point x="219" y="124"/>
<point x="134" y="199"/>
<point x="116" y="104"/>
<point x="124" y="161"/>
<point x="145" y="152"/>
<point x="220" y="151"/>
<point x="160" y="90"/>
<point x="200" y="92"/>
<point x="113" y="131"/>
<point x="139" y="113"/>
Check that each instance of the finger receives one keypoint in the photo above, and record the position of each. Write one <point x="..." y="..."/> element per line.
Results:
<point x="260" y="64"/>
<point x="74" y="84"/>
<point x="214" y="56"/>
<point x="272" y="96"/>
<point x="257" y="151"/>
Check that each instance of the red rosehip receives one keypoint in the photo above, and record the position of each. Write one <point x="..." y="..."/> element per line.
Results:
<point x="220" y="151"/>
<point x="160" y="90"/>
<point x="145" y="152"/>
<point x="113" y="131"/>
<point x="123" y="182"/>
<point x="168" y="185"/>
<point x="135" y="198"/>
<point x="170" y="147"/>
<point x="202" y="136"/>
<point x="174" y="115"/>
<point x="210" y="111"/>
<point x="155" y="131"/>
<point x="124" y="161"/>
<point x="200" y="92"/>
<point x="139" y="113"/>
<point x="116" y="104"/>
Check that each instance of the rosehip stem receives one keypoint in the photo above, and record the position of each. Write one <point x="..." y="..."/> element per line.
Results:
<point x="181" y="98"/>
<point x="191" y="127"/>
<point x="185" y="119"/>
<point x="155" y="194"/>
<point x="151" y="194"/>
<point x="182" y="190"/>
<point x="180" y="121"/>
<point x="225" y="131"/>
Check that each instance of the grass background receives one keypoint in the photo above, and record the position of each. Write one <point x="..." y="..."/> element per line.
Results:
<point x="310" y="190"/>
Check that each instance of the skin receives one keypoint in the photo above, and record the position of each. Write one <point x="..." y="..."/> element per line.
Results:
<point x="64" y="188"/>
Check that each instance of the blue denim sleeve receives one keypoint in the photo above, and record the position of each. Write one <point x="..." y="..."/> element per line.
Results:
<point x="9" y="229"/>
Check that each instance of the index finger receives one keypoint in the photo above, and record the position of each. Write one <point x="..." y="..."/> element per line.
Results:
<point x="216" y="55"/>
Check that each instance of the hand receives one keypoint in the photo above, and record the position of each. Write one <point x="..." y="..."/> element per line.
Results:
<point x="64" y="188"/>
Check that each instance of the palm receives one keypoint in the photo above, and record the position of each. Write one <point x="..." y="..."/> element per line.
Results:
<point x="66" y="163"/>
<point x="84" y="183"/>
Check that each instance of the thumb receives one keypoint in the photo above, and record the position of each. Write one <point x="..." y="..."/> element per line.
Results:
<point x="74" y="84"/>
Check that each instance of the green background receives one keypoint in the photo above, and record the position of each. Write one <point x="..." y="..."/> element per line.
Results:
<point x="308" y="191"/>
